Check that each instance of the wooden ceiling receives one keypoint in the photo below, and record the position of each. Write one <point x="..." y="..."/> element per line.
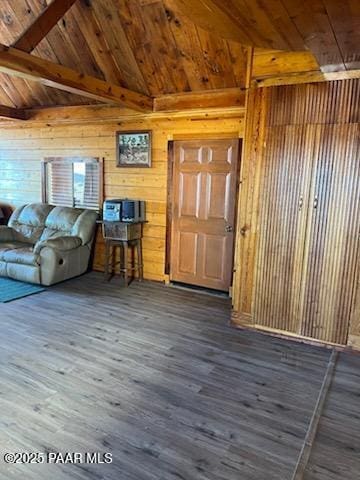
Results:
<point x="330" y="29"/>
<point x="138" y="44"/>
<point x="127" y="51"/>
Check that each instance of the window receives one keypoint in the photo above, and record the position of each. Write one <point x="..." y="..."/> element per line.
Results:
<point x="73" y="182"/>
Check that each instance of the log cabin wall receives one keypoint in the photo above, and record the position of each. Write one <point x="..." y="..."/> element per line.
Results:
<point x="297" y="258"/>
<point x="78" y="133"/>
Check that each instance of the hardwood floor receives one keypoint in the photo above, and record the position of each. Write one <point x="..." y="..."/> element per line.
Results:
<point x="156" y="376"/>
<point x="336" y="453"/>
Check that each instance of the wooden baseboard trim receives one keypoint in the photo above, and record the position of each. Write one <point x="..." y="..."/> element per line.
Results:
<point x="241" y="319"/>
<point x="296" y="336"/>
<point x="244" y="322"/>
<point x="354" y="341"/>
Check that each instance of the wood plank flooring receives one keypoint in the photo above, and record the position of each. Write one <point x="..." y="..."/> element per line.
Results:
<point x="336" y="453"/>
<point x="156" y="376"/>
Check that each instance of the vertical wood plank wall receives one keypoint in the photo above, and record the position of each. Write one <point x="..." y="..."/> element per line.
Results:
<point x="22" y="149"/>
<point x="302" y="144"/>
<point x="333" y="235"/>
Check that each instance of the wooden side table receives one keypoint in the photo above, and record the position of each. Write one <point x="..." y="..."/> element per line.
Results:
<point x="126" y="236"/>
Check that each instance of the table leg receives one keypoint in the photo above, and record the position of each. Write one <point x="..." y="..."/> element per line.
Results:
<point x="140" y="259"/>
<point x="107" y="260"/>
<point x="126" y="259"/>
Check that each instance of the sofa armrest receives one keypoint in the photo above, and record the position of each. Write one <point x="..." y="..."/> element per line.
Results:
<point x="61" y="244"/>
<point x="7" y="234"/>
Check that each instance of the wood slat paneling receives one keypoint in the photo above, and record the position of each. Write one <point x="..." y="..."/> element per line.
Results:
<point x="22" y="149"/>
<point x="285" y="191"/>
<point x="305" y="280"/>
<point x="333" y="243"/>
<point x="315" y="103"/>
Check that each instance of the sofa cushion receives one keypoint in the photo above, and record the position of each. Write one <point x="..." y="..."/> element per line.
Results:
<point x="23" y="273"/>
<point x="29" y="221"/>
<point x="6" y="246"/>
<point x="60" y="222"/>
<point x="23" y="255"/>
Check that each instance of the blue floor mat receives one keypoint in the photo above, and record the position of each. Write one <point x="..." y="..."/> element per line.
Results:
<point x="12" y="289"/>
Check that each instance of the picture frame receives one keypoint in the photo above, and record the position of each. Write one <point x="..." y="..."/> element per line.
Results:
<point x="133" y="149"/>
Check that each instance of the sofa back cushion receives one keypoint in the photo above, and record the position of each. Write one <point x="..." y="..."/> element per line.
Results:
<point x="29" y="221"/>
<point x="60" y="221"/>
<point x="84" y="227"/>
<point x="64" y="221"/>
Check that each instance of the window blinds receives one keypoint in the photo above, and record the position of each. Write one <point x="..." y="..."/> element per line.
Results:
<point x="60" y="184"/>
<point x="91" y="186"/>
<point x="73" y="182"/>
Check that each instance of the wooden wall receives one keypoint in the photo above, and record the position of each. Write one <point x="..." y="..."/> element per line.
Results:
<point x="23" y="147"/>
<point x="297" y="259"/>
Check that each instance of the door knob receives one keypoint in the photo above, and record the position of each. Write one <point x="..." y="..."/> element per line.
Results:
<point x="229" y="229"/>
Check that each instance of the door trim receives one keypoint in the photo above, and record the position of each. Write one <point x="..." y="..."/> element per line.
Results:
<point x="169" y="194"/>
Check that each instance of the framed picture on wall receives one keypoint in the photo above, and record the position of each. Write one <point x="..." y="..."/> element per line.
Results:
<point x="133" y="149"/>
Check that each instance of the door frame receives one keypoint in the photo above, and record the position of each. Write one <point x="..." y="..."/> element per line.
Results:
<point x="170" y="189"/>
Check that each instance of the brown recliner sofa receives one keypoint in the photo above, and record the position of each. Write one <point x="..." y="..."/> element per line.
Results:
<point x="44" y="244"/>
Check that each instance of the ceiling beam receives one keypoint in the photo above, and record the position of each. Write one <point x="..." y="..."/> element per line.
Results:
<point x="23" y="65"/>
<point x="13" y="113"/>
<point x="42" y="25"/>
<point x="31" y="37"/>
<point x="96" y="114"/>
<point x="225" y="98"/>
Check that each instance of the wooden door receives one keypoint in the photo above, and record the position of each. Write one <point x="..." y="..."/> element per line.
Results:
<point x="203" y="213"/>
<point x="308" y="231"/>
<point x="298" y="269"/>
<point x="332" y="246"/>
<point x="285" y="190"/>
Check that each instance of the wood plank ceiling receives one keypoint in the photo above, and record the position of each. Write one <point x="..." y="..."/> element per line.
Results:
<point x="157" y="47"/>
<point x="138" y="44"/>
<point x="330" y="29"/>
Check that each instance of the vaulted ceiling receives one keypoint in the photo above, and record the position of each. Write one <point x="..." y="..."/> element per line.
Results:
<point x="330" y="29"/>
<point x="138" y="44"/>
<point x="157" y="47"/>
